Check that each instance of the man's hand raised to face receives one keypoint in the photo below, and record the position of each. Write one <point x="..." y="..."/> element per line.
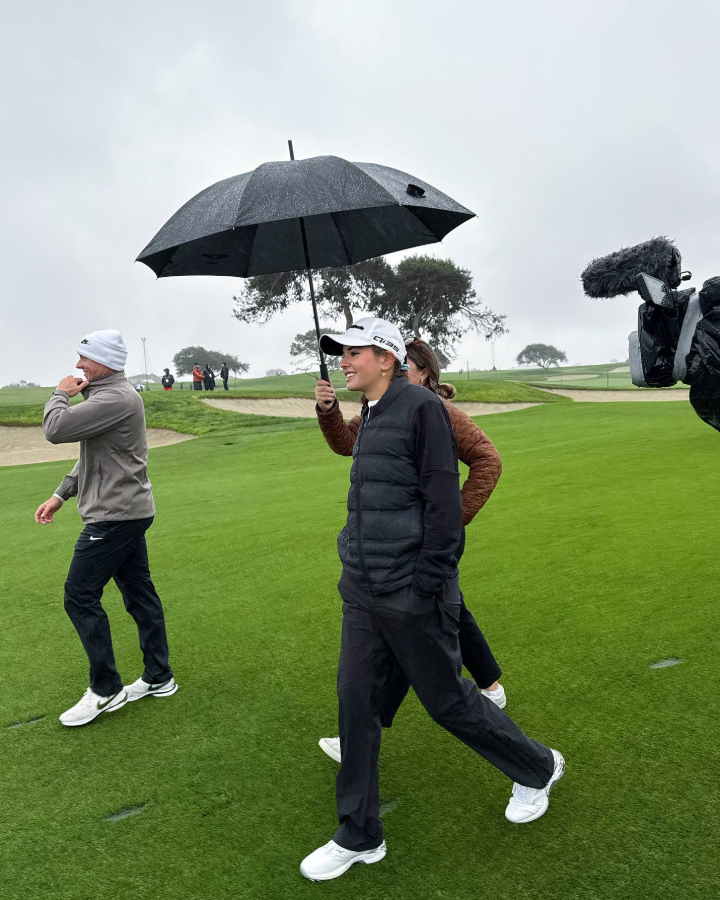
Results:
<point x="44" y="513"/>
<point x="72" y="385"/>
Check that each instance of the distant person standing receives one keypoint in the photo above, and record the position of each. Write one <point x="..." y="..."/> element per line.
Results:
<point x="197" y="375"/>
<point x="225" y="374"/>
<point x="168" y="380"/>
<point x="208" y="378"/>
<point x="115" y="502"/>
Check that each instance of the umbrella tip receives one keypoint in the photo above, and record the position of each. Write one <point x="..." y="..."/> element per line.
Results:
<point x="290" y="148"/>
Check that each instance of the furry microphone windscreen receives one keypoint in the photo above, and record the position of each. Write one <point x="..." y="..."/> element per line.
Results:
<point x="615" y="273"/>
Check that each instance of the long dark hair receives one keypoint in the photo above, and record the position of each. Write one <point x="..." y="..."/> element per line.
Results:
<point x="423" y="356"/>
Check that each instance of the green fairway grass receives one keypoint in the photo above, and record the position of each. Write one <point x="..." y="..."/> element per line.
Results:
<point x="596" y="557"/>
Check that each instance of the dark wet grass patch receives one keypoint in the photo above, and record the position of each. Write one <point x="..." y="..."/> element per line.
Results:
<point x="666" y="663"/>
<point x="26" y="722"/>
<point x="126" y="813"/>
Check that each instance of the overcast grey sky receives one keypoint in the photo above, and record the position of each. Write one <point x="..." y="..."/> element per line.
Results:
<point x="571" y="128"/>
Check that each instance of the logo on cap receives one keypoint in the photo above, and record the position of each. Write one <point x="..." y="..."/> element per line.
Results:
<point x="386" y="343"/>
<point x="359" y="327"/>
<point x="84" y="341"/>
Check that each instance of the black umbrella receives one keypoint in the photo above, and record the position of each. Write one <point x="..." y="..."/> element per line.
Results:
<point x="301" y="214"/>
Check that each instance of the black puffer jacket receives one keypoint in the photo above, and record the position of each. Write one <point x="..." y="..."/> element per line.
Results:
<point x="404" y="507"/>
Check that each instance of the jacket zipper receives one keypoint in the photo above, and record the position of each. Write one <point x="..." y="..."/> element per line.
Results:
<point x="361" y="554"/>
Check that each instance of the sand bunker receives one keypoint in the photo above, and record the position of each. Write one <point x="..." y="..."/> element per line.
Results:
<point x="305" y="409"/>
<point x="27" y="444"/>
<point x="643" y="396"/>
<point x="621" y="369"/>
<point x="570" y="377"/>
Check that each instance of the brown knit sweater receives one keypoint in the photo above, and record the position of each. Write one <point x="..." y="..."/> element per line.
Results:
<point x="475" y="449"/>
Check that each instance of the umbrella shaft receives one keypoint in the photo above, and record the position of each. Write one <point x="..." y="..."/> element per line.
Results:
<point x="323" y="367"/>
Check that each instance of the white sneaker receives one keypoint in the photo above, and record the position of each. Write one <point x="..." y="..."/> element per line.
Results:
<point x="331" y="746"/>
<point x="332" y="860"/>
<point x="91" y="706"/>
<point x="528" y="804"/>
<point x="498" y="697"/>
<point x="139" y="689"/>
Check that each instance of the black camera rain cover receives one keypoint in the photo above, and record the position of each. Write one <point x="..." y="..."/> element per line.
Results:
<point x="659" y="333"/>
<point x="703" y="373"/>
<point x="710" y="295"/>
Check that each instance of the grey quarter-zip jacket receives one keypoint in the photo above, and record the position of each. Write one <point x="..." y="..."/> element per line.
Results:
<point x="110" y="478"/>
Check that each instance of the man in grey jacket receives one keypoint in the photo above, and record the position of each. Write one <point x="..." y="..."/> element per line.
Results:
<point x="116" y="506"/>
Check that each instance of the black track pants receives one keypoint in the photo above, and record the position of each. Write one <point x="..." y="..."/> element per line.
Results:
<point x="116" y="550"/>
<point x="421" y="635"/>
<point x="477" y="657"/>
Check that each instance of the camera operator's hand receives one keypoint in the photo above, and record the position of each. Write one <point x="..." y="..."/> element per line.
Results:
<point x="44" y="513"/>
<point x="72" y="385"/>
<point x="324" y="394"/>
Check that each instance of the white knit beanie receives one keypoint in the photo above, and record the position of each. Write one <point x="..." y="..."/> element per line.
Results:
<point x="106" y="347"/>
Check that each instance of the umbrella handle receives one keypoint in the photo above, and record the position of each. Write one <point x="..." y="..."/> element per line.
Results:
<point x="324" y="374"/>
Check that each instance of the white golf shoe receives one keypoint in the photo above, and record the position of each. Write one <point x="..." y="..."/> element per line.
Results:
<point x="332" y="860"/>
<point x="498" y="697"/>
<point x="139" y="689"/>
<point x="331" y="746"/>
<point x="528" y="804"/>
<point x="91" y="706"/>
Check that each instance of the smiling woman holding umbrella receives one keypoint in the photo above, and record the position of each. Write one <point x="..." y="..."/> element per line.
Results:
<point x="401" y="601"/>
<point x="476" y="450"/>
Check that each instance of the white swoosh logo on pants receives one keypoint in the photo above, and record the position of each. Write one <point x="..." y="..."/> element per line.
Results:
<point x="95" y="539"/>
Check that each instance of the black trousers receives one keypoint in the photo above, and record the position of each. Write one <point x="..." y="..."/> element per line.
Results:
<point x="225" y="381"/>
<point x="116" y="550"/>
<point x="477" y="657"/>
<point x="421" y="636"/>
<point x="197" y="385"/>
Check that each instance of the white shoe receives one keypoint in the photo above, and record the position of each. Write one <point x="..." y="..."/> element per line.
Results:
<point x="331" y="746"/>
<point x="139" y="689"/>
<point x="498" y="697"/>
<point x="332" y="860"/>
<point x="91" y="706"/>
<point x="528" y="804"/>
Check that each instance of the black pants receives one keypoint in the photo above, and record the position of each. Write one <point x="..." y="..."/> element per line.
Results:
<point x="421" y="635"/>
<point x="225" y="381"/>
<point x="116" y="550"/>
<point x="477" y="657"/>
<point x="197" y="385"/>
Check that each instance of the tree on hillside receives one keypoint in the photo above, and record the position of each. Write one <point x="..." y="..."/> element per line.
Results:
<point x="305" y="349"/>
<point x="339" y="292"/>
<point x="186" y="358"/>
<point x="434" y="299"/>
<point x="543" y="355"/>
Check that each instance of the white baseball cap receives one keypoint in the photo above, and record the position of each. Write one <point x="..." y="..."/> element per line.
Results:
<point x="367" y="332"/>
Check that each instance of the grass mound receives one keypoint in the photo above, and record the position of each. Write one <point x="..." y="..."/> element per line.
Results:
<point x="503" y="392"/>
<point x="181" y="411"/>
<point x="185" y="412"/>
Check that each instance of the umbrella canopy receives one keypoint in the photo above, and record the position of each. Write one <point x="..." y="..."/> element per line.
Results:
<point x="252" y="224"/>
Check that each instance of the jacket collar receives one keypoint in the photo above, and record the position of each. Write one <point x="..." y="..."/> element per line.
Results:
<point x="112" y="378"/>
<point x="395" y="388"/>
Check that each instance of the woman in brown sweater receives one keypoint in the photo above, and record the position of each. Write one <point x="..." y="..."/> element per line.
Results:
<point x="477" y="451"/>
